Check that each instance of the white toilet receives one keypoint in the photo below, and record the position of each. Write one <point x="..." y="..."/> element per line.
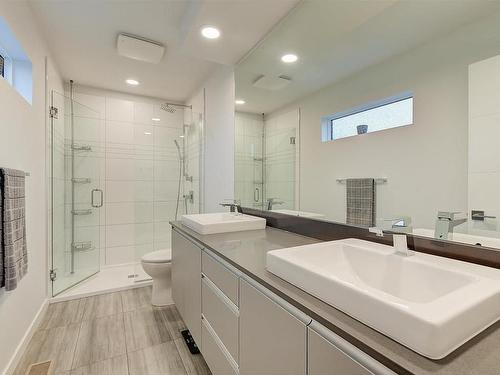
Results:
<point x="158" y="265"/>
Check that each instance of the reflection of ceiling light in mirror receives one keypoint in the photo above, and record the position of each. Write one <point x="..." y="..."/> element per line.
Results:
<point x="289" y="58"/>
<point x="132" y="82"/>
<point x="210" y="32"/>
<point x="181" y="136"/>
<point x="155" y="119"/>
<point x="147" y="133"/>
<point x="239" y="101"/>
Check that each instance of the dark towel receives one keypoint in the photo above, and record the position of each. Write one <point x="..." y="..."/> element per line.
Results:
<point x="13" y="249"/>
<point x="361" y="201"/>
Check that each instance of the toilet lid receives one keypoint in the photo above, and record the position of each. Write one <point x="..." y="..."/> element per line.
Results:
<point x="160" y="256"/>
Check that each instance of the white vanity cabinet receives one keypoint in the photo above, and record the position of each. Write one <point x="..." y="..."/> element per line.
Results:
<point x="186" y="282"/>
<point x="328" y="353"/>
<point x="326" y="358"/>
<point x="242" y="328"/>
<point x="272" y="340"/>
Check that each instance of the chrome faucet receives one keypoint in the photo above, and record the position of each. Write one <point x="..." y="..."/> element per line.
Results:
<point x="271" y="202"/>
<point x="445" y="223"/>
<point x="399" y="241"/>
<point x="233" y="204"/>
<point x="400" y="224"/>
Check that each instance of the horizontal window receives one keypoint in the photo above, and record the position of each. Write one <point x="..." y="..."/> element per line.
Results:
<point x="15" y="66"/>
<point x="384" y="114"/>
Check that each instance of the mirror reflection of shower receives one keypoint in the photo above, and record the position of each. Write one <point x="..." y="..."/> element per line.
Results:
<point x="181" y="152"/>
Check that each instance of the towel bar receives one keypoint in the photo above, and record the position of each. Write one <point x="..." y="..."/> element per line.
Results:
<point x="381" y="180"/>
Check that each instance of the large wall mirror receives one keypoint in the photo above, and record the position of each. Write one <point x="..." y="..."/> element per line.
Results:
<point x="376" y="113"/>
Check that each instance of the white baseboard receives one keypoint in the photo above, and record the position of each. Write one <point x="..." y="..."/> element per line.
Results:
<point x="21" y="348"/>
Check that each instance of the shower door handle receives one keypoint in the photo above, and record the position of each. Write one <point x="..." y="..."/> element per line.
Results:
<point x="256" y="195"/>
<point x="101" y="198"/>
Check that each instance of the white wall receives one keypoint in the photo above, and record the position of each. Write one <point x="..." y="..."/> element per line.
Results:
<point x="215" y="99"/>
<point x="23" y="146"/>
<point x="426" y="163"/>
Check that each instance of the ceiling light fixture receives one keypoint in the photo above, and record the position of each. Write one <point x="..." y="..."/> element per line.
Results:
<point x="132" y="82"/>
<point x="147" y="133"/>
<point x="239" y="101"/>
<point x="155" y="119"/>
<point x="289" y="58"/>
<point x="210" y="32"/>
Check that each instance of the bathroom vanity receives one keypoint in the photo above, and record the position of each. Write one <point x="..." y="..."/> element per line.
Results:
<point x="248" y="321"/>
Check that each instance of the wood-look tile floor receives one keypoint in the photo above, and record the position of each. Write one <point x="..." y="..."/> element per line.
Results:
<point x="112" y="334"/>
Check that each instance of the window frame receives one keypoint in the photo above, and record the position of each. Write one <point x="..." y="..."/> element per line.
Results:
<point x="327" y="121"/>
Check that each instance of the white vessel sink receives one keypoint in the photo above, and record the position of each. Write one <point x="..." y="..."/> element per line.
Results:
<point x="299" y="213"/>
<point x="428" y="303"/>
<point x="222" y="222"/>
<point x="470" y="239"/>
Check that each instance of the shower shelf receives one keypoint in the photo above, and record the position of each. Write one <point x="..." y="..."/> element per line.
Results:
<point x="82" y="212"/>
<point x="77" y="147"/>
<point x="81" y="180"/>
<point x="83" y="246"/>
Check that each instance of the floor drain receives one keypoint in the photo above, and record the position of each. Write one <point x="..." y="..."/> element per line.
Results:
<point x="42" y="368"/>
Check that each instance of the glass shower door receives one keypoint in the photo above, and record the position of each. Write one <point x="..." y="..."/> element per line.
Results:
<point x="76" y="158"/>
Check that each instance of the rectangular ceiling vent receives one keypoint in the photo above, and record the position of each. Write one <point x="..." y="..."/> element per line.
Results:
<point x="138" y="48"/>
<point x="272" y="83"/>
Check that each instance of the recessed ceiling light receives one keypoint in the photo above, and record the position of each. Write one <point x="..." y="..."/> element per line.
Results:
<point x="147" y="133"/>
<point x="181" y="136"/>
<point x="132" y="82"/>
<point x="289" y="58"/>
<point x="239" y="101"/>
<point x="210" y="32"/>
<point x="155" y="119"/>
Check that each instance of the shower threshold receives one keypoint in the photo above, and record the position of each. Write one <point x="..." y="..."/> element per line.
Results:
<point x="108" y="279"/>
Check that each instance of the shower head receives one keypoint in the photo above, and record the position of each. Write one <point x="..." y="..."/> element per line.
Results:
<point x="168" y="107"/>
<point x="171" y="107"/>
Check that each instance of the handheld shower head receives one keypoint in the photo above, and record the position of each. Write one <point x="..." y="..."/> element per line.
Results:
<point x="178" y="149"/>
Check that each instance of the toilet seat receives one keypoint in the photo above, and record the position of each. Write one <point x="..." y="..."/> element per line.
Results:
<point x="160" y="256"/>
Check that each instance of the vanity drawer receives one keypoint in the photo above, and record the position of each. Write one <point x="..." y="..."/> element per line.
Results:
<point x="222" y="314"/>
<point x="225" y="280"/>
<point x="216" y="355"/>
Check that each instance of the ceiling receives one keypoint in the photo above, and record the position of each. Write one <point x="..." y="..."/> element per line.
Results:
<point x="82" y="38"/>
<point x="337" y="38"/>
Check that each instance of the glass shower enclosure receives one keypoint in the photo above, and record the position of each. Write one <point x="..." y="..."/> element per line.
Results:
<point x="76" y="192"/>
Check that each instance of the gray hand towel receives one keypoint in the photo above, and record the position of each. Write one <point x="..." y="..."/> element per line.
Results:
<point x="360" y="194"/>
<point x="13" y="249"/>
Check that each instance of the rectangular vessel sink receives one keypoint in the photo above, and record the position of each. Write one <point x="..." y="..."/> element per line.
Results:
<point x="222" y="222"/>
<point x="299" y="213"/>
<point x="428" y="303"/>
<point x="470" y="239"/>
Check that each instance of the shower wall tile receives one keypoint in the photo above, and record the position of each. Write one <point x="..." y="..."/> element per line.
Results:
<point x="137" y="168"/>
<point x="165" y="211"/>
<point x="165" y="190"/>
<point x="129" y="234"/>
<point x="129" y="213"/>
<point x="129" y="191"/>
<point x="143" y="113"/>
<point x="96" y="103"/>
<point x="119" y="132"/>
<point x="129" y="169"/>
<point x="119" y="110"/>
